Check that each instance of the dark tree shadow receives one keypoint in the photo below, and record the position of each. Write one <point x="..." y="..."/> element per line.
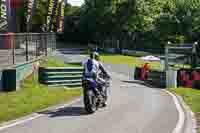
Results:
<point x="67" y="111"/>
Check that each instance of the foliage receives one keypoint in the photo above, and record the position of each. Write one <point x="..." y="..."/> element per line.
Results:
<point x="38" y="17"/>
<point x="147" y="23"/>
<point x="151" y="22"/>
<point x="40" y="12"/>
<point x="179" y="21"/>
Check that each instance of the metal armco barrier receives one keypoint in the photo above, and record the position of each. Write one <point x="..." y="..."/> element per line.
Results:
<point x="61" y="76"/>
<point x="12" y="77"/>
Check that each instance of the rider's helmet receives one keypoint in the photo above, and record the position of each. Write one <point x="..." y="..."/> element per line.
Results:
<point x="91" y="55"/>
<point x="96" y="56"/>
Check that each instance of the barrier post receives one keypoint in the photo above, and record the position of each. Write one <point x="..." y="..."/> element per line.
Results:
<point x="171" y="77"/>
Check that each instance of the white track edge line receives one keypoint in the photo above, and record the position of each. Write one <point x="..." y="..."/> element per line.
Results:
<point x="194" y="122"/>
<point x="18" y="122"/>
<point x="181" y="115"/>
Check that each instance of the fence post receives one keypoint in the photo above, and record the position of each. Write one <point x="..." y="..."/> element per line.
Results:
<point x="36" y="47"/>
<point x="194" y="55"/>
<point x="166" y="56"/>
<point x="171" y="78"/>
<point x="26" y="46"/>
<point x="11" y="37"/>
<point x="54" y="45"/>
<point x="167" y="72"/>
<point x="45" y="39"/>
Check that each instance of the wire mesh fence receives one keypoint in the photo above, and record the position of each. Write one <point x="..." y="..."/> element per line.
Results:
<point x="17" y="48"/>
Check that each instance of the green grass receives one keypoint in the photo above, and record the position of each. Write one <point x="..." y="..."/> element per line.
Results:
<point x="184" y="66"/>
<point x="192" y="99"/>
<point x="32" y="97"/>
<point x="135" y="61"/>
<point x="54" y="62"/>
<point x="129" y="60"/>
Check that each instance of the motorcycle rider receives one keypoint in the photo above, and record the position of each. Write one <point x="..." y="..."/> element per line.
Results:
<point x="101" y="68"/>
<point x="102" y="76"/>
<point x="92" y="68"/>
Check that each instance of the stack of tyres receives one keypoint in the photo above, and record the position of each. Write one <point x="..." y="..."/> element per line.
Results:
<point x="137" y="74"/>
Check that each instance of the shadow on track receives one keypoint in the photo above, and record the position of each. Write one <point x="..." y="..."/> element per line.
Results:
<point x="67" y="111"/>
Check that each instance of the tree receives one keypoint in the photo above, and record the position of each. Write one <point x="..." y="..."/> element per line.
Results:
<point x="151" y="23"/>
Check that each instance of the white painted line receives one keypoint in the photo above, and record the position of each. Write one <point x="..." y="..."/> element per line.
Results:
<point x="181" y="115"/>
<point x="68" y="104"/>
<point x="192" y="115"/>
<point x="194" y="128"/>
<point x="33" y="116"/>
<point x="20" y="122"/>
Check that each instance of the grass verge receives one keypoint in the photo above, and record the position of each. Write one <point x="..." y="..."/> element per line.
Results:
<point x="192" y="99"/>
<point x="129" y="60"/>
<point x="54" y="62"/>
<point x="34" y="96"/>
<point x="136" y="61"/>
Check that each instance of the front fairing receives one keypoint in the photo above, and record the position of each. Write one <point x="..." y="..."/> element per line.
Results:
<point x="89" y="83"/>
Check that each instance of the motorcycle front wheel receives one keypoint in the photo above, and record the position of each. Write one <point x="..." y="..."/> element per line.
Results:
<point x="90" y="101"/>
